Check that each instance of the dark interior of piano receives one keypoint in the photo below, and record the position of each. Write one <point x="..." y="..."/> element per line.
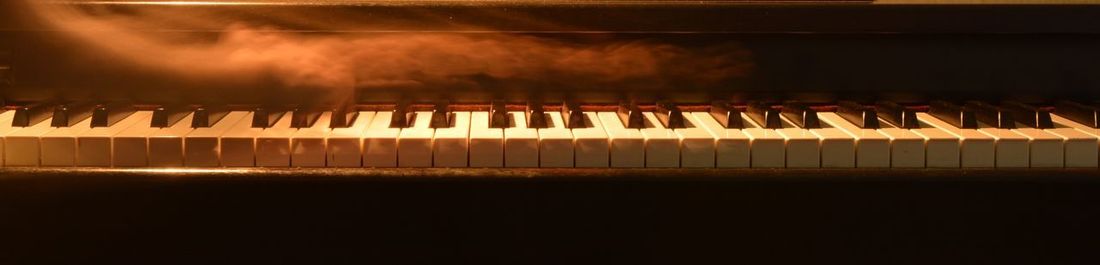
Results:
<point x="628" y="112"/>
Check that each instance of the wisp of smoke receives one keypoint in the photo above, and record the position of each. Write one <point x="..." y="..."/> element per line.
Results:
<point x="336" y="64"/>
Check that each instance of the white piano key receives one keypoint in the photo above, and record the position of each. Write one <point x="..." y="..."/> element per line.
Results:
<point x="976" y="149"/>
<point x="697" y="145"/>
<point x="486" y="144"/>
<point x="5" y="128"/>
<point x="1094" y="132"/>
<point x="1081" y="142"/>
<point x="627" y="147"/>
<point x="521" y="144"/>
<point x="838" y="147"/>
<point x="380" y="142"/>
<point x="1043" y="149"/>
<point x="5" y="118"/>
<point x="1011" y="148"/>
<point x="94" y="146"/>
<point x="345" y="145"/>
<point x="555" y="143"/>
<point x="166" y="144"/>
<point x="803" y="146"/>
<point x="731" y="145"/>
<point x="59" y="145"/>
<point x="238" y="144"/>
<point x="414" y="144"/>
<point x="941" y="148"/>
<point x="22" y="146"/>
<point x="202" y="146"/>
<point x="872" y="148"/>
<point x="768" y="148"/>
<point x="591" y="145"/>
<point x="273" y="143"/>
<point x="906" y="147"/>
<point x="451" y="145"/>
<point x="307" y="145"/>
<point x="662" y="145"/>
<point x="130" y="147"/>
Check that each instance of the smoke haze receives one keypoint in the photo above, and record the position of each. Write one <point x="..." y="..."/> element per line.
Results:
<point x="335" y="64"/>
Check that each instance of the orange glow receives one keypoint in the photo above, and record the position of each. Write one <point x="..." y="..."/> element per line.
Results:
<point x="334" y="64"/>
<point x="179" y="3"/>
<point x="175" y="170"/>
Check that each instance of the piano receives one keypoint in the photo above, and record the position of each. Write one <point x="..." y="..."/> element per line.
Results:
<point x="656" y="120"/>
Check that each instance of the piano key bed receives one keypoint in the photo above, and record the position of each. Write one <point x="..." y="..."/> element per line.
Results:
<point x="600" y="139"/>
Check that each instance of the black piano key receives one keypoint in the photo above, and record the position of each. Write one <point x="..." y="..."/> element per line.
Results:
<point x="441" y="116"/>
<point x="858" y="114"/>
<point x="344" y="116"/>
<point x="163" y="116"/>
<point x="207" y="116"/>
<point x="955" y="115"/>
<point x="801" y="115"/>
<point x="536" y="116"/>
<point x="991" y="114"/>
<point x="304" y="117"/>
<point x="896" y="114"/>
<point x="726" y="114"/>
<point x="1028" y="115"/>
<point x="631" y="115"/>
<point x="30" y="115"/>
<point x="105" y="115"/>
<point x="67" y="115"/>
<point x="763" y="114"/>
<point x="498" y="115"/>
<point x="265" y="117"/>
<point x="1085" y="114"/>
<point x="402" y="117"/>
<point x="670" y="115"/>
<point x="572" y="115"/>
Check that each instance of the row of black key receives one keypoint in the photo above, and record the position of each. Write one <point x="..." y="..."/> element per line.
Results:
<point x="967" y="115"/>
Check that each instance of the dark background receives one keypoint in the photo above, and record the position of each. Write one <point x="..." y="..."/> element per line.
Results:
<point x="696" y="217"/>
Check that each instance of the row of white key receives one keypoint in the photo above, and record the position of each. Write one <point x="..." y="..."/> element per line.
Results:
<point x="605" y="142"/>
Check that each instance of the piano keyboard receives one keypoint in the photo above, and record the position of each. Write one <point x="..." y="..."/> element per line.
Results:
<point x="557" y="139"/>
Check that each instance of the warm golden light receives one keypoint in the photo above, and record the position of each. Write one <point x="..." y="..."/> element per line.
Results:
<point x="215" y="48"/>
<point x="178" y="170"/>
<point x="179" y="3"/>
